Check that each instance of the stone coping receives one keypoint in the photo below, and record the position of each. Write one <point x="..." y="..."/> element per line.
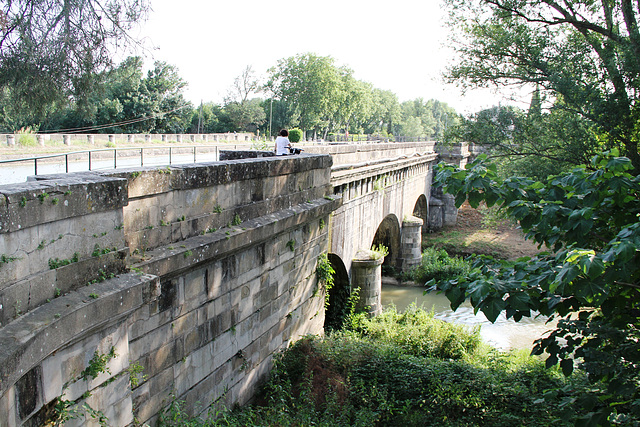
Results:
<point x="366" y="170"/>
<point x="171" y="259"/>
<point x="366" y="258"/>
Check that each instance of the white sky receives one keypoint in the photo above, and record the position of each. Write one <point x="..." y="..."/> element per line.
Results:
<point x="395" y="45"/>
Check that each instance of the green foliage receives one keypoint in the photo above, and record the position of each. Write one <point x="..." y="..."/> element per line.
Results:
<point x="325" y="275"/>
<point x="295" y="135"/>
<point x="50" y="57"/>
<point x="533" y="145"/>
<point x="583" y="54"/>
<point x="57" y="262"/>
<point x="590" y="281"/>
<point x="243" y="111"/>
<point x="236" y="220"/>
<point x="26" y="137"/>
<point x="5" y="259"/>
<point x="351" y="378"/>
<point x="291" y="244"/>
<point x="426" y="119"/>
<point x="416" y="332"/>
<point x="136" y="375"/>
<point x="98" y="251"/>
<point x="43" y="196"/>
<point x="438" y="265"/>
<point x="98" y="364"/>
<point x="379" y="251"/>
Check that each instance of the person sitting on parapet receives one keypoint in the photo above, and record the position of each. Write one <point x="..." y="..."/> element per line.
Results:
<point x="282" y="143"/>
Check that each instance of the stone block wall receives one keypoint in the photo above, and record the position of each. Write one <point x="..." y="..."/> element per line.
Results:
<point x="56" y="236"/>
<point x="222" y="263"/>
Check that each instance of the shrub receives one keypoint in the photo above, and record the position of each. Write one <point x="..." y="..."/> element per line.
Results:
<point x="418" y="333"/>
<point x="295" y="135"/>
<point x="438" y="265"/>
<point x="26" y="137"/>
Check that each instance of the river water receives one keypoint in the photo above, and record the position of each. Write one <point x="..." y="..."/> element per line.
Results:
<point x="503" y="334"/>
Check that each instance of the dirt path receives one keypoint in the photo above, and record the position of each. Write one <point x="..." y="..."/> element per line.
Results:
<point x="476" y="232"/>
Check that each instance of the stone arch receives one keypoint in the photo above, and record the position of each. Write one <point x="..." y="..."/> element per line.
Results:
<point x="388" y="234"/>
<point x="338" y="294"/>
<point x="421" y="210"/>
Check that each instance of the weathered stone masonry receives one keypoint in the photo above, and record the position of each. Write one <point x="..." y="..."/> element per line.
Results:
<point x="223" y="258"/>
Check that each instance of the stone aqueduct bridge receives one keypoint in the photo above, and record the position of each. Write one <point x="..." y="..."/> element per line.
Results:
<point x="194" y="275"/>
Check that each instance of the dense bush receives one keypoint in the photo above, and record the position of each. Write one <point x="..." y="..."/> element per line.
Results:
<point x="295" y="135"/>
<point x="438" y="265"/>
<point x="417" y="332"/>
<point x="386" y="373"/>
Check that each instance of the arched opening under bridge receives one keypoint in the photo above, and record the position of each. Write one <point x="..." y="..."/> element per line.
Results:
<point x="338" y="295"/>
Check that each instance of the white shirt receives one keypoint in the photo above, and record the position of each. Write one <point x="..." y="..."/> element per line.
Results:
<point x="282" y="145"/>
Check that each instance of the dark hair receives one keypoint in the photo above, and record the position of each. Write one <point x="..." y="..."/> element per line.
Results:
<point x="284" y="132"/>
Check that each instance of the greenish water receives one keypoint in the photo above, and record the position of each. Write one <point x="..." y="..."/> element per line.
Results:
<point x="503" y="334"/>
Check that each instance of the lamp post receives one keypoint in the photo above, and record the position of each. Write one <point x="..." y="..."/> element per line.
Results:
<point x="270" y="117"/>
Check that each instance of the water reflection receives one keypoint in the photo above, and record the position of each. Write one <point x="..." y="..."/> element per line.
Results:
<point x="503" y="334"/>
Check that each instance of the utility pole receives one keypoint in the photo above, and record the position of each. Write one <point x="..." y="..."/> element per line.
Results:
<point x="270" y="117"/>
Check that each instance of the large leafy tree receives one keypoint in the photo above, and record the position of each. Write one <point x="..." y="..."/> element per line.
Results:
<point x="385" y="114"/>
<point x="585" y="52"/>
<point x="589" y="281"/>
<point x="311" y="85"/>
<point x="130" y="102"/>
<point x="533" y="143"/>
<point x="245" y="112"/>
<point x="51" y="51"/>
<point x="426" y="118"/>
<point x="354" y="105"/>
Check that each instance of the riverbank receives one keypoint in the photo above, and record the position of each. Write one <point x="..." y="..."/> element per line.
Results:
<point x="481" y="231"/>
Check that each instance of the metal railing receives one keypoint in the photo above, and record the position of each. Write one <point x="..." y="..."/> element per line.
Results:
<point x="117" y="152"/>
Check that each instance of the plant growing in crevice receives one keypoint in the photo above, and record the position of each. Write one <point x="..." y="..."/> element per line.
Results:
<point x="43" y="196"/>
<point x="57" y="262"/>
<point x="325" y="274"/>
<point x="236" y="220"/>
<point x="65" y="410"/>
<point x="17" y="307"/>
<point x="98" y="364"/>
<point x="380" y="251"/>
<point x="136" y="375"/>
<point x="291" y="244"/>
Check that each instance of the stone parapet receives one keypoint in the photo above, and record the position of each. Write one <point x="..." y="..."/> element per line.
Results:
<point x="225" y="255"/>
